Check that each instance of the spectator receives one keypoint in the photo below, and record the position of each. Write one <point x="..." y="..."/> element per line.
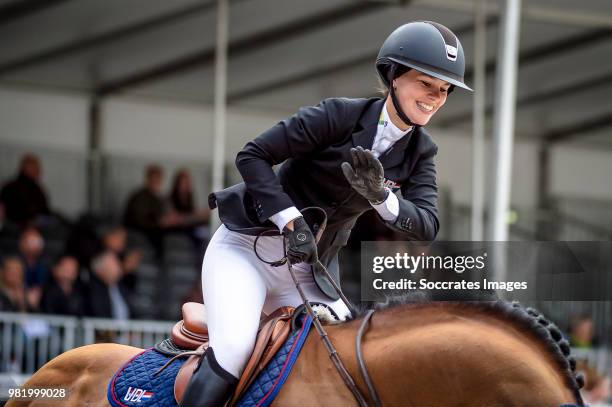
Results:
<point x="62" y="295"/>
<point x="84" y="243"/>
<point x="107" y="296"/>
<point x="2" y="215"/>
<point x="114" y="240"/>
<point x="190" y="219"/>
<point x="23" y="198"/>
<point x="12" y="291"/>
<point x="182" y="200"/>
<point x="582" y="332"/>
<point x="181" y="196"/>
<point x="31" y="245"/>
<point x="145" y="208"/>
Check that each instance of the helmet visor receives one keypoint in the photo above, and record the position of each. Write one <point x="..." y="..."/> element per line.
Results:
<point x="433" y="71"/>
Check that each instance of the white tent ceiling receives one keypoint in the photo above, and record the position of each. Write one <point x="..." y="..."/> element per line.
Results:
<point x="288" y="53"/>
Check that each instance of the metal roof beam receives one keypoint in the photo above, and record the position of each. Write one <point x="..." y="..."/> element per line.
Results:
<point x="103" y="39"/>
<point x="299" y="78"/>
<point x="575" y="130"/>
<point x="530" y="100"/>
<point x="528" y="56"/>
<point x="20" y="9"/>
<point x="261" y="39"/>
<point x="553" y="48"/>
<point x="368" y="58"/>
<point x="543" y="14"/>
<point x="536" y="54"/>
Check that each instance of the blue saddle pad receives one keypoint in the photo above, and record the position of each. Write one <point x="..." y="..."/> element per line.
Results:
<point x="136" y="385"/>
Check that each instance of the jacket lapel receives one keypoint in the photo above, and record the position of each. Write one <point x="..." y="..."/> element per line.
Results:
<point x="397" y="153"/>
<point x="367" y="125"/>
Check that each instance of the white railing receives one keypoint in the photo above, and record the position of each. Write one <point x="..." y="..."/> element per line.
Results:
<point x="139" y="333"/>
<point x="28" y="341"/>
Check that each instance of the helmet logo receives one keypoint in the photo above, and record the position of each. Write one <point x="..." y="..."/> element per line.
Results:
<point x="451" y="52"/>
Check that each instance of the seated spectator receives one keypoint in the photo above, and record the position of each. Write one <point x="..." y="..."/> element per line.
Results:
<point x="62" y="295"/>
<point x="24" y="198"/>
<point x="145" y="209"/>
<point x="106" y="295"/>
<point x="582" y="332"/>
<point x="84" y="242"/>
<point x="12" y="290"/>
<point x="31" y="245"/>
<point x="182" y="201"/>
<point x="2" y="215"/>
<point x="114" y="240"/>
<point x="189" y="218"/>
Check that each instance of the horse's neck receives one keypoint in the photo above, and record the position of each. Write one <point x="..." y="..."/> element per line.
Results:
<point x="438" y="356"/>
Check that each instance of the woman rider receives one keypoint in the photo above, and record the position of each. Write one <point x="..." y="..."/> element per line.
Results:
<point x="346" y="156"/>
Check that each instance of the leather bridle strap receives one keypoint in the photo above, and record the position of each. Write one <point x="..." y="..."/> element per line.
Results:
<point x="333" y="353"/>
<point x="362" y="367"/>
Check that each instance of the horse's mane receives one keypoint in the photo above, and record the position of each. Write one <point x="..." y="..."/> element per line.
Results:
<point x="528" y="319"/>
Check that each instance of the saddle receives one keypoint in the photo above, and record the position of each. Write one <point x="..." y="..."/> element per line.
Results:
<point x="192" y="334"/>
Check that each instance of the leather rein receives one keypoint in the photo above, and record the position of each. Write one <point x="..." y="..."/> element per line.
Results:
<point x="331" y="350"/>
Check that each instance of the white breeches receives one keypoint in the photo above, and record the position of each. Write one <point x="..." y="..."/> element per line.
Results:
<point x="237" y="287"/>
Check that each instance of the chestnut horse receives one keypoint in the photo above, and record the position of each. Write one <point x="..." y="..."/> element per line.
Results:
<point x="428" y="354"/>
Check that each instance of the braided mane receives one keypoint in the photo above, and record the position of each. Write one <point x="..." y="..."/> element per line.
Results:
<point x="529" y="319"/>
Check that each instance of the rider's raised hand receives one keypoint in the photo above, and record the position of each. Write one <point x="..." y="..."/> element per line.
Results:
<point x="366" y="176"/>
<point x="300" y="243"/>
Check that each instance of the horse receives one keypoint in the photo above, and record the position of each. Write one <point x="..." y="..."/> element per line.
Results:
<point x="451" y="354"/>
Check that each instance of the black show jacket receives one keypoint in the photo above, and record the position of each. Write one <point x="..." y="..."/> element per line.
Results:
<point x="311" y="145"/>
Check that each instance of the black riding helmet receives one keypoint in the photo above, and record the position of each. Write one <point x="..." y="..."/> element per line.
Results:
<point x="426" y="46"/>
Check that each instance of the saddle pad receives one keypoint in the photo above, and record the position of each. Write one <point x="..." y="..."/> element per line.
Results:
<point x="135" y="384"/>
<point x="268" y="383"/>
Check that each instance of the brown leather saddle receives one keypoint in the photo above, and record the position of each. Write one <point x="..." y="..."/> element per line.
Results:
<point x="192" y="333"/>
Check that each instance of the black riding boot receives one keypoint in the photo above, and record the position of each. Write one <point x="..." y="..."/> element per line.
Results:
<point x="210" y="385"/>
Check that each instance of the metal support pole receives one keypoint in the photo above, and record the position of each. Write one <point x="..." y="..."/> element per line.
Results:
<point x="503" y="124"/>
<point x="478" y="167"/>
<point x="218" y="169"/>
<point x="94" y="159"/>
<point x="545" y="225"/>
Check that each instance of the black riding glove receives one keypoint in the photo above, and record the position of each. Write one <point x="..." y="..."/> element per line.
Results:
<point x="300" y="243"/>
<point x="366" y="176"/>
